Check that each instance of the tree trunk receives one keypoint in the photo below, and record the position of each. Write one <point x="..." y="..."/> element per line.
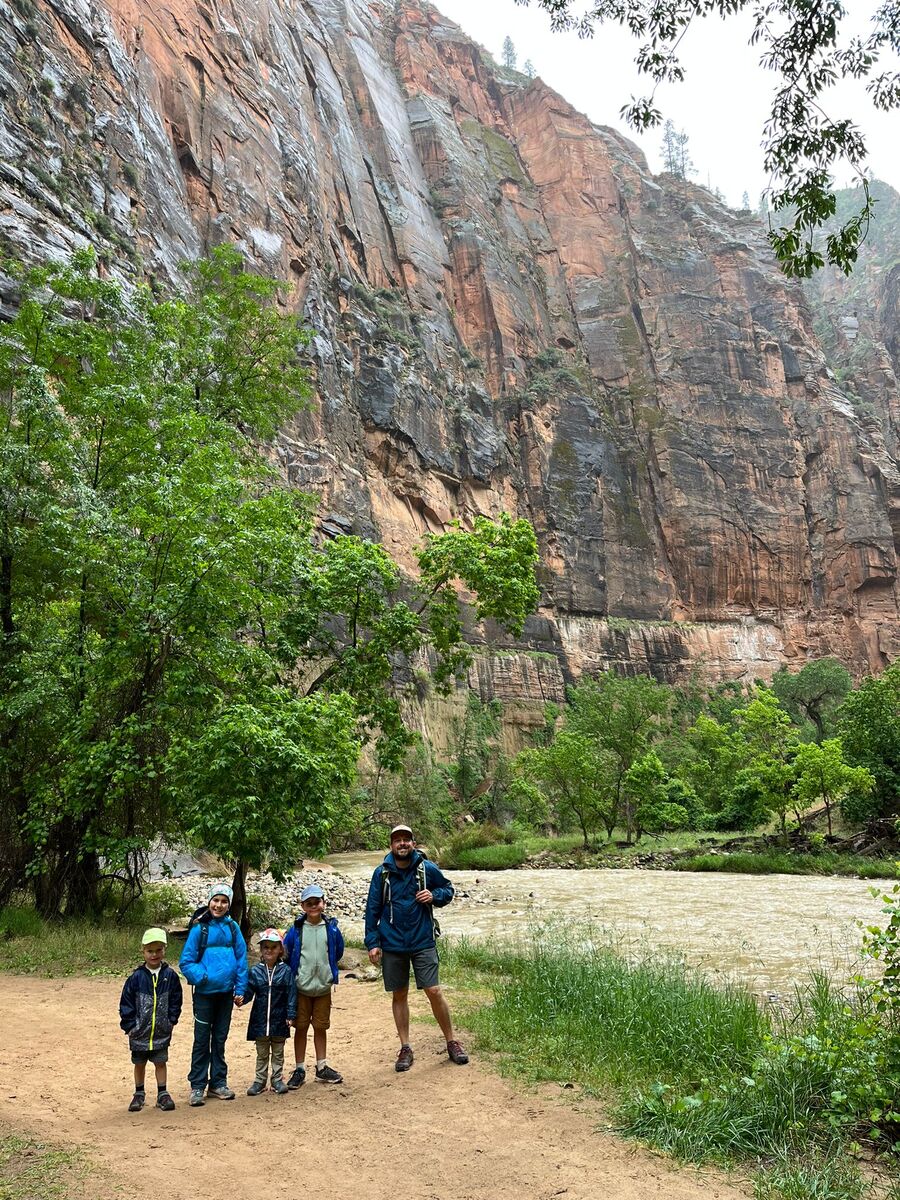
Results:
<point x="240" y="910"/>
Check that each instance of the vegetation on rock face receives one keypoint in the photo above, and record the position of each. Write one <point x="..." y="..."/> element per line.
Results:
<point x="178" y="654"/>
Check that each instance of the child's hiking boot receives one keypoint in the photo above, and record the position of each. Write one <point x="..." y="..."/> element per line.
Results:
<point x="298" y="1077"/>
<point x="137" y="1102"/>
<point x="197" y="1100"/>
<point x="222" y="1092"/>
<point x="255" y="1088"/>
<point x="328" y="1074"/>
<point x="165" y="1102"/>
<point x="457" y="1054"/>
<point x="404" y="1058"/>
<point x="279" y="1087"/>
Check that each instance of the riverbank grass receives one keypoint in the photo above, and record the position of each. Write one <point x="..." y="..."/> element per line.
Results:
<point x="789" y="862"/>
<point x="702" y="1071"/>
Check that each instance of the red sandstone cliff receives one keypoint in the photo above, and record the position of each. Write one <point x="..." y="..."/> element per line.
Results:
<point x="511" y="313"/>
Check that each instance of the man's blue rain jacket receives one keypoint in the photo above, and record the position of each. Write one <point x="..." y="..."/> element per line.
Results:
<point x="395" y="920"/>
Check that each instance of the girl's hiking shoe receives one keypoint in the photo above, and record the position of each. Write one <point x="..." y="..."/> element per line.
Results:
<point x="197" y="1100"/>
<point x="255" y="1088"/>
<point x="222" y="1092"/>
<point x="328" y="1075"/>
<point x="165" y="1102"/>
<point x="279" y="1087"/>
<point x="404" y="1059"/>
<point x="137" y="1102"/>
<point x="298" y="1078"/>
<point x="457" y="1054"/>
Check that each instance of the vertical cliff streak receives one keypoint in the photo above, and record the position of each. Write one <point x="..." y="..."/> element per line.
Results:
<point x="510" y="313"/>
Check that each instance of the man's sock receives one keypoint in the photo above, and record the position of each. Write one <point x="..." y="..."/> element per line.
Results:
<point x="320" y="1063"/>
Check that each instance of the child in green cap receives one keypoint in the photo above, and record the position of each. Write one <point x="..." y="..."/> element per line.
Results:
<point x="148" y="1012"/>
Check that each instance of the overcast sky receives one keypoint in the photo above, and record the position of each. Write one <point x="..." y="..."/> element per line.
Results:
<point x="722" y="104"/>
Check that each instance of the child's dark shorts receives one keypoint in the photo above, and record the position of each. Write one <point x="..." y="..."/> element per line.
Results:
<point x="395" y="969"/>
<point x="151" y="1056"/>
<point x="313" y="1010"/>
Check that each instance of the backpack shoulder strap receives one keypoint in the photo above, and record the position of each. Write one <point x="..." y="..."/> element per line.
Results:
<point x="204" y="938"/>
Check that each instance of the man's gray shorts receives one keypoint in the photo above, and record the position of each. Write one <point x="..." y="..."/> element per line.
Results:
<point x="395" y="968"/>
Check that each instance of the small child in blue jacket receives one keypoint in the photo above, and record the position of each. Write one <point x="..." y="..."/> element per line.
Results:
<point x="271" y="984"/>
<point x="148" y="1012"/>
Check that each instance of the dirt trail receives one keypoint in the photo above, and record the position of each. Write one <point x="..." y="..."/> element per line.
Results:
<point x="441" y="1132"/>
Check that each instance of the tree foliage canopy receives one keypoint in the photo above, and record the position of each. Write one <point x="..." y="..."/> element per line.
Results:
<point x="178" y="654"/>
<point x="801" y="42"/>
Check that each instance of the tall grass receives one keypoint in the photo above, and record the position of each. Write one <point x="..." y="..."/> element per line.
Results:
<point x="702" y="1071"/>
<point x="590" y="1015"/>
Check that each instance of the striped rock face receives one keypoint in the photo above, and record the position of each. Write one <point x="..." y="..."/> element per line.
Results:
<point x="511" y="313"/>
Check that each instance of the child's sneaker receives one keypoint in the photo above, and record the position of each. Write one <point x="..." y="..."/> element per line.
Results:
<point x="165" y="1102"/>
<point x="222" y="1092"/>
<point x="298" y="1078"/>
<point x="197" y="1098"/>
<point x="328" y="1074"/>
<point x="137" y="1102"/>
<point x="255" y="1088"/>
<point x="279" y="1087"/>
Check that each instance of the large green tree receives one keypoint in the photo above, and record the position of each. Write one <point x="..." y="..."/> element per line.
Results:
<point x="804" y="44"/>
<point x="814" y="693"/>
<point x="167" y="621"/>
<point x="622" y="715"/>
<point x="870" y="732"/>
<point x="578" y="779"/>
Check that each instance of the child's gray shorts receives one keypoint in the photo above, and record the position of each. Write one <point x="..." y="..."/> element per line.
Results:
<point x="151" y="1056"/>
<point x="395" y="968"/>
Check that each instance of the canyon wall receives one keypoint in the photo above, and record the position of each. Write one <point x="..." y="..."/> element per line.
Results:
<point x="511" y="313"/>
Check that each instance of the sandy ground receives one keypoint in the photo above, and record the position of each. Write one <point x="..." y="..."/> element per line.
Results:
<point x="440" y="1132"/>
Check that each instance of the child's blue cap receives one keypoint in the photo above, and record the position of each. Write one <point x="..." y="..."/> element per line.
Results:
<point x="220" y="889"/>
<point x="312" y="892"/>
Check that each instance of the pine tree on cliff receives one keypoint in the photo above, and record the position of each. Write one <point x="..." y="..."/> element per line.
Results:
<point x="528" y="69"/>
<point x="809" y="49"/>
<point x="509" y="53"/>
<point x="674" y="150"/>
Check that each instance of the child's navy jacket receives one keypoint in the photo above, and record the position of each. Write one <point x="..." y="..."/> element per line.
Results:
<point x="149" y="1008"/>
<point x="273" y="1006"/>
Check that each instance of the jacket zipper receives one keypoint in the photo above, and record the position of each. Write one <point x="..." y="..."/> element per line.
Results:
<point x="153" y="1017"/>
<point x="271" y="975"/>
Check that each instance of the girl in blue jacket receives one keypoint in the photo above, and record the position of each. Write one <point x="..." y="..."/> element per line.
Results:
<point x="214" y="962"/>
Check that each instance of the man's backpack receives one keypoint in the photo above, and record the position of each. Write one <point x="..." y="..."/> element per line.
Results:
<point x="421" y="886"/>
<point x="197" y="919"/>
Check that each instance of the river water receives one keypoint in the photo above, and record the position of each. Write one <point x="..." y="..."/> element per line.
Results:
<point x="766" y="930"/>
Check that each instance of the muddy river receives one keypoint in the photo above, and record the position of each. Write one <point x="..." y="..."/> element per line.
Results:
<point x="766" y="930"/>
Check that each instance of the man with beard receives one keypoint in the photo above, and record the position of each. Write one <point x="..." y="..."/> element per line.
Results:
<point x="401" y="930"/>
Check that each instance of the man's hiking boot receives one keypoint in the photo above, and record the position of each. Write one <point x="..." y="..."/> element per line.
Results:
<point x="165" y="1102"/>
<point x="404" y="1059"/>
<point x="279" y="1087"/>
<point x="298" y="1078"/>
<point x="137" y="1102"/>
<point x="457" y="1054"/>
<point x="255" y="1088"/>
<point x="197" y="1100"/>
<point x="222" y="1092"/>
<point x="328" y="1075"/>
